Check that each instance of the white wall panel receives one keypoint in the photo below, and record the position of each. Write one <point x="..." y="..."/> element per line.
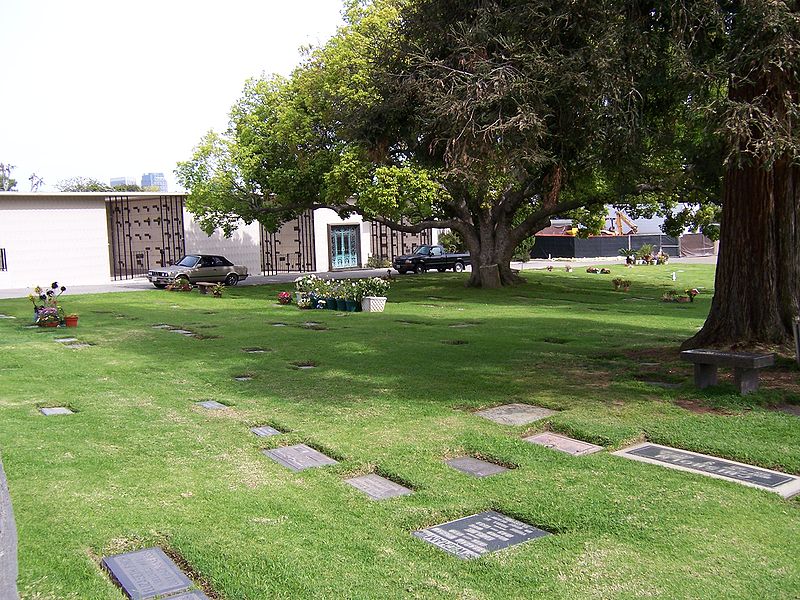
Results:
<point x="54" y="238"/>
<point x="242" y="248"/>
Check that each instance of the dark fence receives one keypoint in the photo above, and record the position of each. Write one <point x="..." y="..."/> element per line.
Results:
<point x="3" y="262"/>
<point x="567" y="246"/>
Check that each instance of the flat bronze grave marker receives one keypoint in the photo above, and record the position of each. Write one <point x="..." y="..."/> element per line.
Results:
<point x="67" y="340"/>
<point x="162" y="326"/>
<point x="181" y="331"/>
<point x="473" y="536"/>
<point x="211" y="405"/>
<point x="693" y="462"/>
<point x="377" y="487"/>
<point x="6" y="317"/>
<point x="475" y="466"/>
<point x="299" y="457"/>
<point x="516" y="414"/>
<point x="254" y="350"/>
<point x="78" y="346"/>
<point x="265" y="431"/>
<point x="563" y="444"/>
<point x="243" y="378"/>
<point x="56" y="410"/>
<point x="146" y="574"/>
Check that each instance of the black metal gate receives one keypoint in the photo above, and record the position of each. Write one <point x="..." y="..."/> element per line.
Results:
<point x="144" y="232"/>
<point x="291" y="248"/>
<point x="387" y="243"/>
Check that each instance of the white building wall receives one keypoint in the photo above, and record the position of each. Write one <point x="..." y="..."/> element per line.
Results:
<point x="242" y="248"/>
<point x="53" y="238"/>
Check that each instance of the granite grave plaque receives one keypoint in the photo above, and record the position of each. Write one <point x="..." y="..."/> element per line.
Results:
<point x="211" y="405"/>
<point x="7" y="317"/>
<point x="516" y="414"/>
<point x="162" y="326"/>
<point x="56" y="410"/>
<point x="475" y="466"/>
<point x="475" y="535"/>
<point x="146" y="574"/>
<point x="78" y="346"/>
<point x="563" y="443"/>
<point x="684" y="460"/>
<point x="265" y="431"/>
<point x="254" y="350"/>
<point x="65" y="340"/>
<point x="243" y="378"/>
<point x="181" y="331"/>
<point x="377" y="487"/>
<point x="299" y="457"/>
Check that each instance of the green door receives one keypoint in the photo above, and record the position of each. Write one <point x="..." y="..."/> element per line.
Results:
<point x="344" y="246"/>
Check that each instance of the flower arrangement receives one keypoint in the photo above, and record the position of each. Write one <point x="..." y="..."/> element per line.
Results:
<point x="605" y="271"/>
<point x="568" y="269"/>
<point x="284" y="298"/>
<point x="307" y="283"/>
<point x="46" y="307"/>
<point x="592" y="270"/>
<point x="303" y="302"/>
<point x="180" y="284"/>
<point x="374" y="287"/>
<point x="691" y="293"/>
<point x="218" y="289"/>
<point x="549" y="267"/>
<point x="621" y="284"/>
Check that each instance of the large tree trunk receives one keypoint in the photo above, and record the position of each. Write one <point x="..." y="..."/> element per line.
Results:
<point x="490" y="255"/>
<point x="756" y="289"/>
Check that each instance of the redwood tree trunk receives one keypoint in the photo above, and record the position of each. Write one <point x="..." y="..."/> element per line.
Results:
<point x="756" y="289"/>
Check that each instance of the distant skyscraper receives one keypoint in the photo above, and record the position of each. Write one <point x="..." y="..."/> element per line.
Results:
<point x="115" y="181"/>
<point x="155" y="180"/>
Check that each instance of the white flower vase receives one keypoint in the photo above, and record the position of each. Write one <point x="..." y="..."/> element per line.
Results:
<point x="373" y="303"/>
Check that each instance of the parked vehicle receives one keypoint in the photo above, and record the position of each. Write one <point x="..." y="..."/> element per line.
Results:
<point x="198" y="267"/>
<point x="431" y="257"/>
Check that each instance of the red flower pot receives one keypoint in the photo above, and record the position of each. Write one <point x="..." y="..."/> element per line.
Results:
<point x="71" y="321"/>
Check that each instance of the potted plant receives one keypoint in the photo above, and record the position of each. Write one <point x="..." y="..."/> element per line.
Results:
<point x="180" y="284"/>
<point x="374" y="292"/>
<point x="645" y="254"/>
<point x="629" y="254"/>
<point x="286" y="297"/>
<point x="218" y="289"/>
<point x="71" y="320"/>
<point x="352" y="296"/>
<point x="669" y="296"/>
<point x="691" y="293"/>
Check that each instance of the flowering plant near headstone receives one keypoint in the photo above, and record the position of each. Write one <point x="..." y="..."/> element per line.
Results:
<point x="46" y="307"/>
<point x="374" y="286"/>
<point x="284" y="298"/>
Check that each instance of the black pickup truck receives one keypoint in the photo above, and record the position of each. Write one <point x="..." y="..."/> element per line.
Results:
<point x="431" y="257"/>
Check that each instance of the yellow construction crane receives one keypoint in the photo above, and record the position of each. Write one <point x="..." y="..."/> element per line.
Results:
<point x="622" y="217"/>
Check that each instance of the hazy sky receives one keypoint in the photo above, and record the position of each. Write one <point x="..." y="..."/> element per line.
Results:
<point x="112" y="88"/>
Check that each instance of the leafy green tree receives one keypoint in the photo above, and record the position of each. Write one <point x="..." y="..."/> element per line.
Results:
<point x="439" y="119"/>
<point x="83" y="184"/>
<point x="7" y="183"/>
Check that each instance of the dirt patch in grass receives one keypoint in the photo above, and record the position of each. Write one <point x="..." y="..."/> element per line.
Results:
<point x="696" y="406"/>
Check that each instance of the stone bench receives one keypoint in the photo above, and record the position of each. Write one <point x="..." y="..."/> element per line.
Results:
<point x="204" y="286"/>
<point x="745" y="367"/>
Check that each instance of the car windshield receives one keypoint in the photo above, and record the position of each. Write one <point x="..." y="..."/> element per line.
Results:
<point x="423" y="250"/>
<point x="188" y="261"/>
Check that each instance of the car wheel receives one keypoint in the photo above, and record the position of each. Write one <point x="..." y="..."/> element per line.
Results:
<point x="420" y="269"/>
<point x="160" y="286"/>
<point x="232" y="279"/>
<point x="458" y="267"/>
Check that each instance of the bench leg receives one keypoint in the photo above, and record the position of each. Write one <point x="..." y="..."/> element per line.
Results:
<point x="746" y="380"/>
<point x="705" y="375"/>
<point x="203" y="289"/>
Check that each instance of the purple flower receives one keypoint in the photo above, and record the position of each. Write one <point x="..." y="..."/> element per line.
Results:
<point x="63" y="289"/>
<point x="54" y="285"/>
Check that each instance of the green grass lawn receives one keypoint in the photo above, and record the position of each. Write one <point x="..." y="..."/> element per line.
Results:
<point x="140" y="465"/>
